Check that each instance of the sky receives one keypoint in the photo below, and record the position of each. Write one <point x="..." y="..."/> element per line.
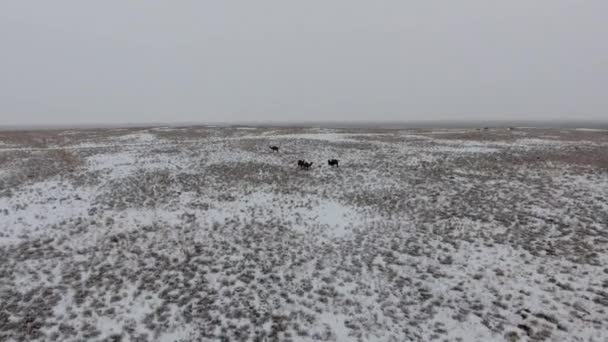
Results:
<point x="130" y="61"/>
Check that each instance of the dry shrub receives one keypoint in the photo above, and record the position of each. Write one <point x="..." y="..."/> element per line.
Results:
<point x="11" y="158"/>
<point x="595" y="157"/>
<point x="286" y="130"/>
<point x="366" y="130"/>
<point x="578" y="158"/>
<point x="250" y="172"/>
<point x="361" y="146"/>
<point x="256" y="145"/>
<point x="505" y="135"/>
<point x="38" y="139"/>
<point x="178" y="134"/>
<point x="67" y="159"/>
<point x="479" y="136"/>
<point x="385" y="138"/>
<point x="36" y="166"/>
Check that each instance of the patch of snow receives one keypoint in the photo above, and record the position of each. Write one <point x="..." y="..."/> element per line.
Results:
<point x="335" y="137"/>
<point x="115" y="165"/>
<point x="39" y="208"/>
<point x="137" y="137"/>
<point x="328" y="218"/>
<point x="448" y="131"/>
<point x="591" y="129"/>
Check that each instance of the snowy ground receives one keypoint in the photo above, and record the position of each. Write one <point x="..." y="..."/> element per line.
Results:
<point x="199" y="233"/>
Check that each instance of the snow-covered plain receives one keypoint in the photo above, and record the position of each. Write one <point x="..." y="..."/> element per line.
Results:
<point x="205" y="234"/>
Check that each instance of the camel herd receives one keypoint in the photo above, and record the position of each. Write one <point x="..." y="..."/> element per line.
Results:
<point x="305" y="165"/>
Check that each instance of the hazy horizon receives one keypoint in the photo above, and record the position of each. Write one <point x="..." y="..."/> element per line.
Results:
<point x="76" y="63"/>
<point x="448" y="124"/>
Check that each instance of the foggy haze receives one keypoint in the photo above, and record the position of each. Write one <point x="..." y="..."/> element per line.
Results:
<point x="77" y="62"/>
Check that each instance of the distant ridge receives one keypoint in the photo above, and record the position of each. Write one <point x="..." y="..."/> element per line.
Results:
<point x="431" y="124"/>
<point x="593" y="124"/>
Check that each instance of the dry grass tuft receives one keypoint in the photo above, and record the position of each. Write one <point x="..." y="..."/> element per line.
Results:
<point x="37" y="139"/>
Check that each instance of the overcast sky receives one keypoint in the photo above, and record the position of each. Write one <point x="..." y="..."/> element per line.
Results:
<point x="118" y="61"/>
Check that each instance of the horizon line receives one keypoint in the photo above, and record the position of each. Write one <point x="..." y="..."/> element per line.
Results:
<point x="432" y="123"/>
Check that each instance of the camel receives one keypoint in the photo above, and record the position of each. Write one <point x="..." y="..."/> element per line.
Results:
<point x="333" y="162"/>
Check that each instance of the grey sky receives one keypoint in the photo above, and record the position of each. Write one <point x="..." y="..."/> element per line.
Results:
<point x="117" y="61"/>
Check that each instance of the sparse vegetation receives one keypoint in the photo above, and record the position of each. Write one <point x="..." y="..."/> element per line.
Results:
<point x="200" y="233"/>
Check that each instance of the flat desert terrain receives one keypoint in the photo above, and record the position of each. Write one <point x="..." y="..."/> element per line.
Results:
<point x="206" y="234"/>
